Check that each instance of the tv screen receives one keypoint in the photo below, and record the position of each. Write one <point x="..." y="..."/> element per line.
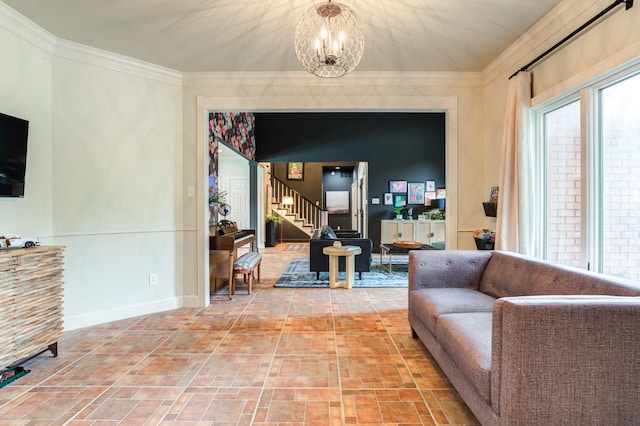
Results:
<point x="13" y="155"/>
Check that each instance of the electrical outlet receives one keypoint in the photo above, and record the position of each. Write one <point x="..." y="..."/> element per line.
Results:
<point x="191" y="191"/>
<point x="153" y="278"/>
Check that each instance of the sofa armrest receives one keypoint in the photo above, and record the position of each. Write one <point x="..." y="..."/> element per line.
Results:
<point x="567" y="360"/>
<point x="447" y="268"/>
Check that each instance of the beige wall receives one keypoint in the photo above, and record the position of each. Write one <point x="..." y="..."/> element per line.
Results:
<point x="114" y="145"/>
<point x="612" y="42"/>
<point x="25" y="92"/>
<point x="372" y="93"/>
<point x="300" y="91"/>
<point x="104" y="170"/>
<point x="117" y="185"/>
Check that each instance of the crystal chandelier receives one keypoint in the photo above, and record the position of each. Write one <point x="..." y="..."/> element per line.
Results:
<point x="329" y="40"/>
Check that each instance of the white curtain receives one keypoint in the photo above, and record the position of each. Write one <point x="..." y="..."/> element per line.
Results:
<point x="516" y="204"/>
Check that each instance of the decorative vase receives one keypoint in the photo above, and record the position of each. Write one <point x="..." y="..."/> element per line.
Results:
<point x="270" y="234"/>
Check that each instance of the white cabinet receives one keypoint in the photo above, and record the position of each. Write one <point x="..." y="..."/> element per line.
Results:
<point x="394" y="230"/>
<point x="426" y="231"/>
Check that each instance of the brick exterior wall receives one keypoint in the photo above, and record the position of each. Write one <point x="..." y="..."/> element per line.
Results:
<point x="564" y="221"/>
<point x="621" y="179"/>
<point x="620" y="207"/>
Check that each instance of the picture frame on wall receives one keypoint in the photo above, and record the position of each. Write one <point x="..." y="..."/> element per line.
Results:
<point x="398" y="186"/>
<point x="337" y="202"/>
<point x="295" y="171"/>
<point x="431" y="186"/>
<point x="415" y="193"/>
<point x="428" y="196"/>
<point x="399" y="200"/>
<point x="388" y="199"/>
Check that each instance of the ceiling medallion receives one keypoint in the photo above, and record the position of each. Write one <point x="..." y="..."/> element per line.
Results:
<point x="329" y="40"/>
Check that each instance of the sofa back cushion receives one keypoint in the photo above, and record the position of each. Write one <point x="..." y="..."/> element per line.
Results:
<point x="511" y="274"/>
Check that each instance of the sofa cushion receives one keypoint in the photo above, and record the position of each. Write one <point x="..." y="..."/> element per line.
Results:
<point x="466" y="337"/>
<point x="347" y="233"/>
<point x="430" y="303"/>
<point x="510" y="274"/>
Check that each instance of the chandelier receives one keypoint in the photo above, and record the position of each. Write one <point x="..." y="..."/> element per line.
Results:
<point x="329" y="40"/>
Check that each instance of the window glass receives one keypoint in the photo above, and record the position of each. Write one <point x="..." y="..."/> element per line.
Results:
<point x="563" y="185"/>
<point x="620" y="127"/>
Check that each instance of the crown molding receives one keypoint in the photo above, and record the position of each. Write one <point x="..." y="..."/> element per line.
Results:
<point x="353" y="79"/>
<point x="26" y="29"/>
<point x="104" y="59"/>
<point x="29" y="31"/>
<point x="560" y="21"/>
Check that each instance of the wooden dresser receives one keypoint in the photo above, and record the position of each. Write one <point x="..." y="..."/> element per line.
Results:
<point x="31" y="282"/>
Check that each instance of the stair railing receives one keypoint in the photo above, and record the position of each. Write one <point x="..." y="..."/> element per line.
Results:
<point x="302" y="208"/>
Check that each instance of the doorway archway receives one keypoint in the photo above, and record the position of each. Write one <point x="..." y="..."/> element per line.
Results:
<point x="447" y="104"/>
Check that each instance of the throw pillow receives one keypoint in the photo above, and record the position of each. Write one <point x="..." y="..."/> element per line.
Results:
<point x="327" y="233"/>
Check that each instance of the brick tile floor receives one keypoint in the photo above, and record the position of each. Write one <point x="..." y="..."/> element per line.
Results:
<point x="277" y="357"/>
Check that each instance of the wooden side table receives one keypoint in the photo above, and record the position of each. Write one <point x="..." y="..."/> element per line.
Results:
<point x="334" y="253"/>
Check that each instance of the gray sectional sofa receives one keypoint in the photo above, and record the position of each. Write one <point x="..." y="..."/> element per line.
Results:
<point x="526" y="342"/>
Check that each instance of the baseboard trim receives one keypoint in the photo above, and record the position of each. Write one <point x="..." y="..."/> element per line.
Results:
<point x="80" y="321"/>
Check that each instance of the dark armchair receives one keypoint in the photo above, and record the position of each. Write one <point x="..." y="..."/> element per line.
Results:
<point x="319" y="262"/>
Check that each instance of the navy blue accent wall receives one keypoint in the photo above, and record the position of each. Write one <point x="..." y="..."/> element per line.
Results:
<point x="397" y="146"/>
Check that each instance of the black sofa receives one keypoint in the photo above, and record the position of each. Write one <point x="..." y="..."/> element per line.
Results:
<point x="319" y="262"/>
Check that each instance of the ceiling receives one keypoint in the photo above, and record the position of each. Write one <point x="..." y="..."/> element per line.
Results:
<point x="257" y="35"/>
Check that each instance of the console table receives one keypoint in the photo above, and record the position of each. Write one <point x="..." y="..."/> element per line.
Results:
<point x="390" y="250"/>
<point x="31" y="283"/>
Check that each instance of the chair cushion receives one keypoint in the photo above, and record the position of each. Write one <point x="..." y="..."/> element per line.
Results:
<point x="247" y="260"/>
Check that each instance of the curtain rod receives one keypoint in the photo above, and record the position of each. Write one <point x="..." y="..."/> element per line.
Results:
<point x="628" y="5"/>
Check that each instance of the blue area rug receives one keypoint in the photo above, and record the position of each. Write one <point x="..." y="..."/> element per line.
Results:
<point x="297" y="275"/>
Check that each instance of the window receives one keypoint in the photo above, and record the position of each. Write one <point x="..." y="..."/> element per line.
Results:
<point x="590" y="152"/>
<point x="563" y="185"/>
<point x="620" y="186"/>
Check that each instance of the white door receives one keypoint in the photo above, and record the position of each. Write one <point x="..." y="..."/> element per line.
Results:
<point x="261" y="192"/>
<point x="238" y="199"/>
<point x="355" y="205"/>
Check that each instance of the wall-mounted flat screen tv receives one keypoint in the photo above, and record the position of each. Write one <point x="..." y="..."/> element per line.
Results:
<point x="13" y="155"/>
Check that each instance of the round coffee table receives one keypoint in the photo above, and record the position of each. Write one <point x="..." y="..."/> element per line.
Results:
<point x="334" y="253"/>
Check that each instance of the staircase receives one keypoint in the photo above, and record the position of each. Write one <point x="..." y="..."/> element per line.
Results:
<point x="295" y="209"/>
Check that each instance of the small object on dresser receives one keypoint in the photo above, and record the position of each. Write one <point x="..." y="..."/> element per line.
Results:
<point x="337" y="244"/>
<point x="16" y="241"/>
